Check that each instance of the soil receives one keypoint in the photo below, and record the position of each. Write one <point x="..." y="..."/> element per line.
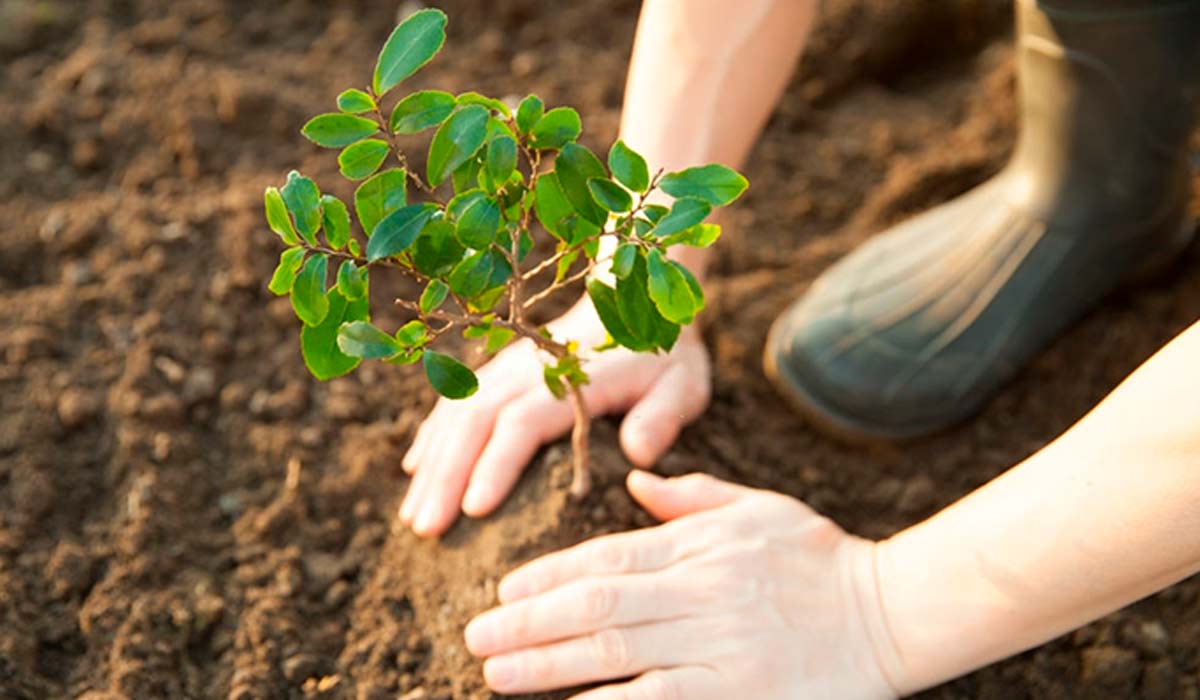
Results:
<point x="185" y="513"/>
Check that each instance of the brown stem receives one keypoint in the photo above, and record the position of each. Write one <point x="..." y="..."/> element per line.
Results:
<point x="385" y="127"/>
<point x="581" y="478"/>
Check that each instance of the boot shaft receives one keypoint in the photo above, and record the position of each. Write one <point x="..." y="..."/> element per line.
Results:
<point x="1109" y="92"/>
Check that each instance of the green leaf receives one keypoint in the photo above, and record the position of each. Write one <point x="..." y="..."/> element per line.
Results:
<point x="497" y="338"/>
<point x="623" y="260"/>
<point x="437" y="250"/>
<point x="355" y="102"/>
<point x="380" y="195"/>
<point x="490" y="103"/>
<point x="361" y="339"/>
<point x="554" y="382"/>
<point x="686" y="213"/>
<point x="360" y="159"/>
<point x="421" y="110"/>
<point x="693" y="285"/>
<point x="576" y="165"/>
<point x="433" y="296"/>
<point x="397" y="231"/>
<point x="564" y="265"/>
<point x="713" y="183"/>
<point x="665" y="334"/>
<point x="407" y="357"/>
<point x="501" y="269"/>
<point x="354" y="248"/>
<point x="336" y="130"/>
<point x="555" y="129"/>
<point x="466" y="176"/>
<point x="335" y="220"/>
<point x="628" y="167"/>
<point x="504" y="240"/>
<point x="669" y="289"/>
<point x="551" y="205"/>
<point x="308" y="292"/>
<point x="411" y="45"/>
<point x="655" y="212"/>
<point x="633" y="303"/>
<point x="501" y="158"/>
<point x="698" y="236"/>
<point x="477" y="225"/>
<point x="529" y="112"/>
<point x="456" y="140"/>
<point x="472" y="275"/>
<point x="413" y="334"/>
<point x="449" y="376"/>
<point x="285" y="273"/>
<point x="351" y="280"/>
<point x="303" y="200"/>
<point x="604" y="299"/>
<point x="318" y="343"/>
<point x="277" y="216"/>
<point x="610" y="195"/>
<point x="457" y="206"/>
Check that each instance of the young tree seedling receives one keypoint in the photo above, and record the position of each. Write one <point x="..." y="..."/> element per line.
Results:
<point x="466" y="237"/>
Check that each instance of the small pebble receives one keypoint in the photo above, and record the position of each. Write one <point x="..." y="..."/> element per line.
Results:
<point x="76" y="407"/>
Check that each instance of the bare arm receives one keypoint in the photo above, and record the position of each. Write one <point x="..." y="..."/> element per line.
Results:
<point x="704" y="77"/>
<point x="1107" y="514"/>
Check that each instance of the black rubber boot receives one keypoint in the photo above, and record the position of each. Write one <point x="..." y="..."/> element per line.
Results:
<point x="916" y="330"/>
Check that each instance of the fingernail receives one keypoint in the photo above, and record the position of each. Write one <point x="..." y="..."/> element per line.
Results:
<point x="406" y="508"/>
<point x="423" y="525"/>
<point x="643" y="478"/>
<point x="499" y="672"/>
<point x="477" y="635"/>
<point x="473" y="502"/>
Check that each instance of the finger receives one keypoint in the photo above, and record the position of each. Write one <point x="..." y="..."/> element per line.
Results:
<point x="638" y="551"/>
<point x="413" y="456"/>
<point x="615" y="652"/>
<point x="500" y="378"/>
<point x="521" y="427"/>
<point x="691" y="682"/>
<point x="454" y="441"/>
<point x="675" y="399"/>
<point x="408" y="507"/>
<point x="436" y="504"/>
<point x="668" y="499"/>
<point x="582" y="607"/>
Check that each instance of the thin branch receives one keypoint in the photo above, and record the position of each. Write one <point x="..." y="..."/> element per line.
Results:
<point x="363" y="262"/>
<point x="384" y="126"/>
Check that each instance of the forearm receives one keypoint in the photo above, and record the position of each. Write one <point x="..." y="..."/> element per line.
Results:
<point x="1107" y="514"/>
<point x="704" y="77"/>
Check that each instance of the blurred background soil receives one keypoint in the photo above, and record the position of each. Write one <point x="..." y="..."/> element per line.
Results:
<point x="185" y="513"/>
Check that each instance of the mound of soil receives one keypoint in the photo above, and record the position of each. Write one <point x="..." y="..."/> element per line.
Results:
<point x="185" y="513"/>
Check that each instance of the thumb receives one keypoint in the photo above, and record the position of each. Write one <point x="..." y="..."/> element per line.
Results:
<point x="651" y="426"/>
<point x="667" y="499"/>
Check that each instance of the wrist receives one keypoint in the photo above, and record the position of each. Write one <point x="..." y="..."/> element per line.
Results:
<point x="943" y="618"/>
<point x="861" y="570"/>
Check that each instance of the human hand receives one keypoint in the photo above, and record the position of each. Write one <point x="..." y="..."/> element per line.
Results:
<point x="478" y="446"/>
<point x="743" y="593"/>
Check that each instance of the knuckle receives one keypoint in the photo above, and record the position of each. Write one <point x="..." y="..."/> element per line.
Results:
<point x="512" y="416"/>
<point x="518" y="622"/>
<point x="600" y="600"/>
<point x="536" y="665"/>
<point x="612" y="651"/>
<point x="612" y="557"/>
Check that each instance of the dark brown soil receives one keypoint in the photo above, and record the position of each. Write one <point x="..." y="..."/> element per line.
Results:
<point x="185" y="513"/>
